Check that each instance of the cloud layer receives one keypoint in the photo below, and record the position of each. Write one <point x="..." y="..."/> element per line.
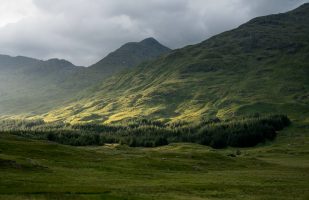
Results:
<point x="83" y="31"/>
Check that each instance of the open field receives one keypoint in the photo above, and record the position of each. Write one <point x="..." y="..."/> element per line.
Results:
<point x="31" y="169"/>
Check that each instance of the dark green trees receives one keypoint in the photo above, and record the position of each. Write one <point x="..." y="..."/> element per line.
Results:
<point x="241" y="132"/>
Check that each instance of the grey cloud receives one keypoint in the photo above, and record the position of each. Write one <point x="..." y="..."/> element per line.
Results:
<point x="265" y="7"/>
<point x="83" y="31"/>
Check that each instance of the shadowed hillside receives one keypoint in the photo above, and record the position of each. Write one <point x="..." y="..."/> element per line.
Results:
<point x="29" y="85"/>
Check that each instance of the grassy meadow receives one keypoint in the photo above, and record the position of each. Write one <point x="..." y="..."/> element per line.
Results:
<point x="36" y="169"/>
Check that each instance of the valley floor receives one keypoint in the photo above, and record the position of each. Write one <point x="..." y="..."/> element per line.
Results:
<point x="32" y="169"/>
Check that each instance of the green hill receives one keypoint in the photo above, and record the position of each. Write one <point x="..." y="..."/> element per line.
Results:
<point x="35" y="86"/>
<point x="261" y="66"/>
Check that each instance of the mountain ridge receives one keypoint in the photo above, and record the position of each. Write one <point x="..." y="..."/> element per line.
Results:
<point x="261" y="66"/>
<point x="29" y="85"/>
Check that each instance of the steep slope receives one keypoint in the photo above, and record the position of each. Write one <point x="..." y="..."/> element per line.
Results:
<point x="130" y="55"/>
<point x="262" y="66"/>
<point x="29" y="85"/>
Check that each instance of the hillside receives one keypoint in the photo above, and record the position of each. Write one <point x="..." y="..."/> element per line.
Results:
<point x="35" y="86"/>
<point x="28" y="84"/>
<point x="261" y="66"/>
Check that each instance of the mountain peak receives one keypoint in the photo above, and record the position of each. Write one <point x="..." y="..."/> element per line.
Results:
<point x="150" y="40"/>
<point x="59" y="62"/>
<point x="131" y="54"/>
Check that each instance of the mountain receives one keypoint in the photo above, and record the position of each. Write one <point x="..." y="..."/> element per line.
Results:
<point x="29" y="85"/>
<point x="130" y="55"/>
<point x="261" y="66"/>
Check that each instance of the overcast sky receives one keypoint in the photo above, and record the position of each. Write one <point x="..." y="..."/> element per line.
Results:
<point x="84" y="31"/>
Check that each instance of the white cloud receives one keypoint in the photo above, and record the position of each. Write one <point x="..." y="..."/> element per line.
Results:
<point x="83" y="31"/>
<point x="14" y="11"/>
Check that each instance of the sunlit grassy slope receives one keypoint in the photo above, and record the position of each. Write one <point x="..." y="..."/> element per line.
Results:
<point x="41" y="170"/>
<point x="262" y="66"/>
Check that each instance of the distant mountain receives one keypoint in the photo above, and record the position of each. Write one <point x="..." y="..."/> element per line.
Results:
<point x="129" y="55"/>
<point x="25" y="63"/>
<point x="29" y="85"/>
<point x="261" y="66"/>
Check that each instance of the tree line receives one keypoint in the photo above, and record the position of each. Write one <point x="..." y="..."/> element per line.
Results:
<point x="240" y="132"/>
